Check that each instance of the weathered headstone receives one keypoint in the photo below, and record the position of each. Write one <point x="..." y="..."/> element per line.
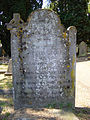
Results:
<point x="0" y="49"/>
<point x="9" y="70"/>
<point x="43" y="58"/>
<point x="82" y="49"/>
<point x="77" y="49"/>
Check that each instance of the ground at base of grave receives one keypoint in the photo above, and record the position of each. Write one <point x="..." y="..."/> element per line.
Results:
<point x="83" y="113"/>
<point x="43" y="114"/>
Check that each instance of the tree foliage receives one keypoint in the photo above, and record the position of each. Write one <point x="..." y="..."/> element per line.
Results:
<point x="7" y="8"/>
<point x="74" y="13"/>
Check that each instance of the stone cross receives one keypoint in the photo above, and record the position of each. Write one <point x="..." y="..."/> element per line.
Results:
<point x="16" y="22"/>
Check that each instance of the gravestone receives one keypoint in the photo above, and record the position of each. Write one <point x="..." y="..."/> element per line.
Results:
<point x="9" y="70"/>
<point x="82" y="49"/>
<point x="0" y="50"/>
<point x="43" y="59"/>
<point x="77" y="49"/>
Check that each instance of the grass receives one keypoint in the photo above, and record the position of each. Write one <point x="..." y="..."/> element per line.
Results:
<point x="82" y="113"/>
<point x="6" y="82"/>
<point x="6" y="101"/>
<point x="3" y="67"/>
<point x="51" y="106"/>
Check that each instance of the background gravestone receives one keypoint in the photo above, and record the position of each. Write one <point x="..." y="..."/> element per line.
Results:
<point x="43" y="58"/>
<point x="9" y="70"/>
<point x="77" y="49"/>
<point x="82" y="49"/>
<point x="0" y="49"/>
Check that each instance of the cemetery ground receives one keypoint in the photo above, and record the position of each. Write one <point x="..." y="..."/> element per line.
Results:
<point x="82" y="99"/>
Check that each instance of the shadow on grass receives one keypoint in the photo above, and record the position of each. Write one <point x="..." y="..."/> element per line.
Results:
<point x="82" y="113"/>
<point x="4" y="79"/>
<point x="6" y="103"/>
<point x="35" y="114"/>
<point x="6" y="92"/>
<point x="6" y="83"/>
<point x="47" y="113"/>
<point x="31" y="114"/>
<point x="83" y="59"/>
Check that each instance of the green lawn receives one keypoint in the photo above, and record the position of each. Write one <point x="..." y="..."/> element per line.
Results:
<point x="6" y="101"/>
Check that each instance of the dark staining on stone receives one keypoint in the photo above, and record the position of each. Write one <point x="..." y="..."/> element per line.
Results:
<point x="17" y="83"/>
<point x="23" y="43"/>
<point x="20" y="22"/>
<point x="69" y="81"/>
<point x="68" y="87"/>
<point x="25" y="31"/>
<point x="25" y="48"/>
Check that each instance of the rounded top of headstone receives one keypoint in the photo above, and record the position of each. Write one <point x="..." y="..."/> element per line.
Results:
<point x="72" y="29"/>
<point x="82" y="43"/>
<point x="44" y="18"/>
<point x="16" y="16"/>
<point x="42" y="14"/>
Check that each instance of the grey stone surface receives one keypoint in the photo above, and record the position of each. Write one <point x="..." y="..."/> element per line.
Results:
<point x="77" y="49"/>
<point x="9" y="70"/>
<point x="43" y="58"/>
<point x="82" y="49"/>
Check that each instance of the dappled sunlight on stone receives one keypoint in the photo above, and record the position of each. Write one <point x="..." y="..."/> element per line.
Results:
<point x="44" y="59"/>
<point x="44" y="114"/>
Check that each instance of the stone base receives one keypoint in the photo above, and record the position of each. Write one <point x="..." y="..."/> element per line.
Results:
<point x="8" y="74"/>
<point x="57" y="103"/>
<point x="43" y="114"/>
